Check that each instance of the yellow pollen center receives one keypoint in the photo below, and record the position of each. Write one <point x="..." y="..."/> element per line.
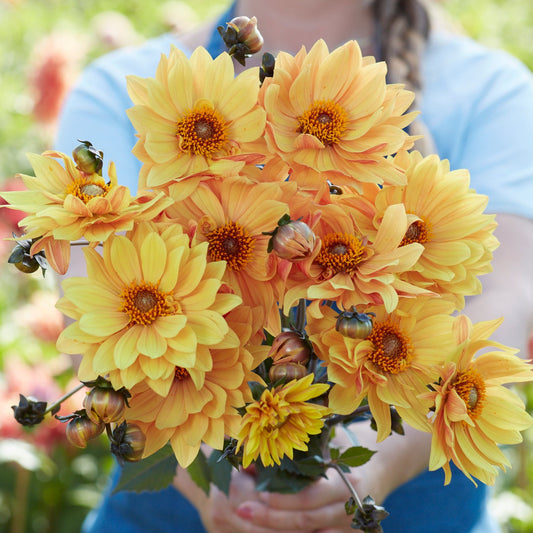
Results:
<point x="392" y="348"/>
<point x="202" y="131"/>
<point x="419" y="231"/>
<point x="326" y="120"/>
<point x="470" y="386"/>
<point x="231" y="243"/>
<point x="181" y="373"/>
<point x="340" y="252"/>
<point x="85" y="189"/>
<point x="144" y="302"/>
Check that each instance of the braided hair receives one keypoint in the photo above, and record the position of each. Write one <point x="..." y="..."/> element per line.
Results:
<point x="401" y="33"/>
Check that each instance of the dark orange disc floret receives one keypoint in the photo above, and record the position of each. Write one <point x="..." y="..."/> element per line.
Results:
<point x="340" y="252"/>
<point x="419" y="231"/>
<point x="144" y="302"/>
<point x="85" y="189"/>
<point x="470" y="386"/>
<point x="326" y="120"/>
<point x="392" y="348"/>
<point x="231" y="243"/>
<point x="202" y="131"/>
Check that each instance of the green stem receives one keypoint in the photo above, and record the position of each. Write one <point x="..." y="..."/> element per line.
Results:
<point x="347" y="482"/>
<point x="63" y="398"/>
<point x="22" y="485"/>
<point x="300" y="315"/>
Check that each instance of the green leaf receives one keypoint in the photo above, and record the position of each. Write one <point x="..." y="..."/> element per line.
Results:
<point x="199" y="472"/>
<point x="334" y="453"/>
<point x="311" y="466"/>
<point x="274" y="479"/>
<point x="220" y="471"/>
<point x="355" y="456"/>
<point x="151" y="474"/>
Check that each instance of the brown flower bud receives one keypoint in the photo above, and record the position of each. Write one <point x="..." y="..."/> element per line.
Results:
<point x="247" y="33"/>
<point x="81" y="429"/>
<point x="354" y="325"/>
<point x="288" y="371"/>
<point x="293" y="240"/>
<point x="127" y="443"/>
<point x="290" y="347"/>
<point x="105" y="405"/>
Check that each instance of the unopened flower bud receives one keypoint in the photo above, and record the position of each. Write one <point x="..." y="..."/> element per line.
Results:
<point x="24" y="260"/>
<point x="105" y="405"/>
<point x="287" y="371"/>
<point x="290" y="347"/>
<point x="292" y="240"/>
<point x="354" y="325"/>
<point x="87" y="158"/>
<point x="127" y="443"/>
<point x="80" y="429"/>
<point x="247" y="33"/>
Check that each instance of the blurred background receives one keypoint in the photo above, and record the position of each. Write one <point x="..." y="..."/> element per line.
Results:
<point x="46" y="485"/>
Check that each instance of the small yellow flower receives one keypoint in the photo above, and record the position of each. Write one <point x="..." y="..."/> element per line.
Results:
<point x="473" y="411"/>
<point x="281" y="421"/>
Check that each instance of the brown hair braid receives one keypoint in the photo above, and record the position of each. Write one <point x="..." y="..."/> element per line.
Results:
<point x="402" y="30"/>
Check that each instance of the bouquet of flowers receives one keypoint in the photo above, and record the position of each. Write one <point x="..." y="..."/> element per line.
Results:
<point x="289" y="264"/>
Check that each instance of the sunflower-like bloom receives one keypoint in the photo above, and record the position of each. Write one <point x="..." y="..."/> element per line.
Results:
<point x="281" y="421"/>
<point x="189" y="415"/>
<point x="195" y="117"/>
<point x="339" y="126"/>
<point x="350" y="269"/>
<point x="448" y="221"/>
<point x="65" y="204"/>
<point x="473" y="411"/>
<point x="232" y="216"/>
<point x="150" y="304"/>
<point x="393" y="365"/>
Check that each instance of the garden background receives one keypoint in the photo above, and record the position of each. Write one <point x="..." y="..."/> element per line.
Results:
<point x="46" y="485"/>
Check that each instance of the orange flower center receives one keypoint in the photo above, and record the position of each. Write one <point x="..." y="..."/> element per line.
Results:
<point x="470" y="386"/>
<point x="419" y="231"/>
<point x="180" y="373"/>
<point x="392" y="349"/>
<point x="340" y="252"/>
<point x="326" y="120"/>
<point x="85" y="189"/>
<point x="144" y="302"/>
<point x="231" y="243"/>
<point x="202" y="131"/>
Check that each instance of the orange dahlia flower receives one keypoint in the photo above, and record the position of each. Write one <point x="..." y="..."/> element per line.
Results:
<point x="150" y="304"/>
<point x="447" y="219"/>
<point x="190" y="414"/>
<point x="393" y="365"/>
<point x="473" y="411"/>
<point x="195" y="117"/>
<point x="350" y="269"/>
<point x="341" y="126"/>
<point x="65" y="204"/>
<point x="232" y="216"/>
<point x="281" y="421"/>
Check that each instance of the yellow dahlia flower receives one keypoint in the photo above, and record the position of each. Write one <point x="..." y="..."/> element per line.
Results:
<point x="281" y="421"/>
<point x="150" y="304"/>
<point x="447" y="219"/>
<point x="473" y="411"/>
<point x="65" y="204"/>
<point x="352" y="270"/>
<point x="190" y="414"/>
<point x="393" y="365"/>
<point x="195" y="117"/>
<point x="231" y="217"/>
<point x="342" y="126"/>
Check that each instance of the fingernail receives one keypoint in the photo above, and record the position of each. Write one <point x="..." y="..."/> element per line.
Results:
<point x="245" y="512"/>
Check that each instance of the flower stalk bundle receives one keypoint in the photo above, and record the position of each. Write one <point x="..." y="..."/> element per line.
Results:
<point x="288" y="263"/>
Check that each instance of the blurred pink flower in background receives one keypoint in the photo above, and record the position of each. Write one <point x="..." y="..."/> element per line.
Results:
<point x="114" y="30"/>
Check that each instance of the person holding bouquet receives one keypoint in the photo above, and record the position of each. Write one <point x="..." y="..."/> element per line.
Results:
<point x="476" y="111"/>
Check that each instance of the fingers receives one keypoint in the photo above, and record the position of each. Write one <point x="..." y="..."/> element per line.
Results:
<point x="301" y="521"/>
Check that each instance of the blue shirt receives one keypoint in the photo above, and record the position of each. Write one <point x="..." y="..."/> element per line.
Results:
<point x="478" y="106"/>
